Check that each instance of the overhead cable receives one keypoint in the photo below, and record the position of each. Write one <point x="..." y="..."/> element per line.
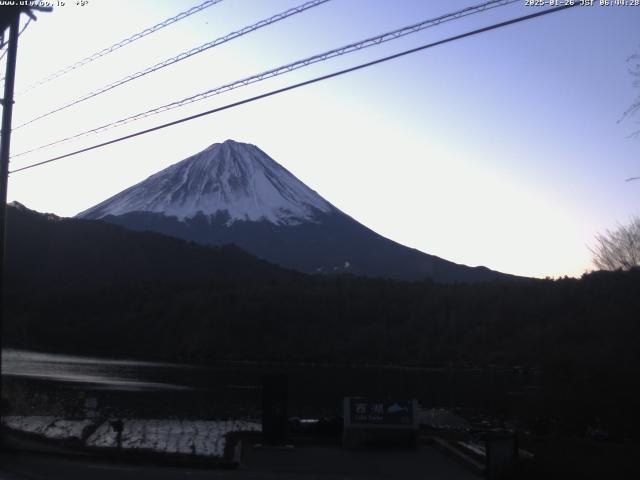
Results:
<point x="180" y="57"/>
<point x="120" y="44"/>
<point x="352" y="47"/>
<point x="301" y="84"/>
<point x="24" y="27"/>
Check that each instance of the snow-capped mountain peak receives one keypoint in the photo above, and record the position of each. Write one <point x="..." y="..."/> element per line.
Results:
<point x="232" y="178"/>
<point x="234" y="193"/>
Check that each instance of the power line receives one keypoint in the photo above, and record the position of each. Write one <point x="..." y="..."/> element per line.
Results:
<point x="302" y="84"/>
<point x="352" y="47"/>
<point x="24" y="27"/>
<point x="121" y="43"/>
<point x="182" y="56"/>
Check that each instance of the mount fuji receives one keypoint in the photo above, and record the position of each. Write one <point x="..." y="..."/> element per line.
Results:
<point x="233" y="192"/>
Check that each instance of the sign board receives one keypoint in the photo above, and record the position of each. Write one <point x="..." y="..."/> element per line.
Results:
<point x="369" y="413"/>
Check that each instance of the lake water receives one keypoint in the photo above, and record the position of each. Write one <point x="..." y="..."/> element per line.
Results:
<point x="91" y="372"/>
<point x="38" y="383"/>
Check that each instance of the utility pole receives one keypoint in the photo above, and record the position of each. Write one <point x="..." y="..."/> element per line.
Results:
<point x="5" y="143"/>
<point x="10" y="18"/>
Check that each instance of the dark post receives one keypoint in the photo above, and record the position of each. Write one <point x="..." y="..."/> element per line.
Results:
<point x="5" y="142"/>
<point x="118" y="426"/>
<point x="274" y="409"/>
<point x="501" y="455"/>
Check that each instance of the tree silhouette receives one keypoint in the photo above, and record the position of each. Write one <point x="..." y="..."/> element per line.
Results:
<point x="634" y="71"/>
<point x="619" y="248"/>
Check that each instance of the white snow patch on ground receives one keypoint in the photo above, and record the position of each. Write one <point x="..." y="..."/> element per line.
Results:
<point x="49" y="427"/>
<point x="67" y="429"/>
<point x="30" y="424"/>
<point x="191" y="437"/>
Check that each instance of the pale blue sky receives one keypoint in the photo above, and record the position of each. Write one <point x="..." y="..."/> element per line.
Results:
<point x="500" y="150"/>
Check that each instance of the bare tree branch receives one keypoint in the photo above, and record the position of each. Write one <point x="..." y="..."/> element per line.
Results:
<point x="634" y="70"/>
<point x="619" y="248"/>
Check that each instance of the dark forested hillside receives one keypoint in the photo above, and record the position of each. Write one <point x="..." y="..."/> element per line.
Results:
<point x="56" y="253"/>
<point x="81" y="286"/>
<point x="219" y="302"/>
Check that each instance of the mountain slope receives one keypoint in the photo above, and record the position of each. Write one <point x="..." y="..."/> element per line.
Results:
<point x="235" y="193"/>
<point x="62" y="253"/>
